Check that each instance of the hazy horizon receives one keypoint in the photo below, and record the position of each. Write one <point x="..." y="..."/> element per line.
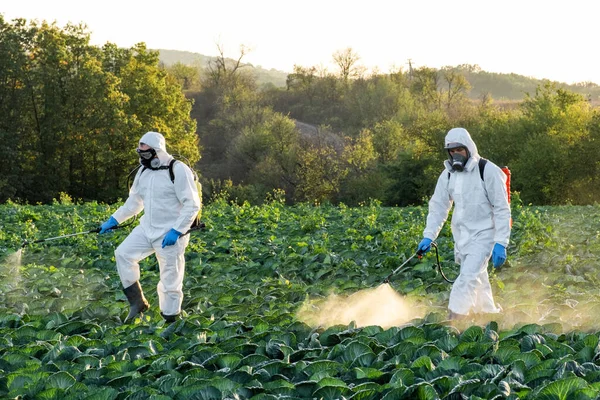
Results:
<point x="535" y="39"/>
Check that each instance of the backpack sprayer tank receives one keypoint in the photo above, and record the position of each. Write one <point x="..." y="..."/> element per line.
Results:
<point x="507" y="173"/>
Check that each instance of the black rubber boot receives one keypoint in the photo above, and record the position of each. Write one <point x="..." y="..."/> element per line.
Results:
<point x="170" y="318"/>
<point x="137" y="302"/>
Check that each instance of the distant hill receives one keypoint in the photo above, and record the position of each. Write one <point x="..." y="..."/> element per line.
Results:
<point x="263" y="76"/>
<point x="497" y="85"/>
<point x="514" y="86"/>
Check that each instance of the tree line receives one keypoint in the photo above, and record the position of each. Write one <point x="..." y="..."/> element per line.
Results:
<point x="71" y="115"/>
<point x="380" y="136"/>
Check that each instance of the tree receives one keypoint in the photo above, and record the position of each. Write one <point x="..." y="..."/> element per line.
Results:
<point x="268" y="153"/>
<point x="346" y="61"/>
<point x="223" y="72"/>
<point x="388" y="140"/>
<point x="72" y="113"/>
<point x="373" y="100"/>
<point x="457" y="86"/>
<point x="15" y="98"/>
<point x="320" y="170"/>
<point x="553" y="126"/>
<point x="360" y="153"/>
<point x="186" y="75"/>
<point x="302" y="80"/>
<point x="412" y="178"/>
<point x="424" y="86"/>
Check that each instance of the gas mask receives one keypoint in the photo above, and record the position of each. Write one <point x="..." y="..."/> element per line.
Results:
<point x="458" y="161"/>
<point x="148" y="158"/>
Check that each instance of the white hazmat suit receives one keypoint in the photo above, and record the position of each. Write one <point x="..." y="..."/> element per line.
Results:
<point x="167" y="205"/>
<point x="481" y="218"/>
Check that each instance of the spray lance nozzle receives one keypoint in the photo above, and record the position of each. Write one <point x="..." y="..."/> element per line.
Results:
<point x="394" y="272"/>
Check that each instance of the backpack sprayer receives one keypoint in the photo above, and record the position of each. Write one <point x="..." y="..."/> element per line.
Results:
<point x="419" y="254"/>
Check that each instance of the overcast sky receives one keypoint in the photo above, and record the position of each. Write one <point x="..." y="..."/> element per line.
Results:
<point x="557" y="40"/>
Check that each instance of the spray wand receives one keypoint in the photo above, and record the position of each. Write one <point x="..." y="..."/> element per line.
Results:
<point x="26" y="242"/>
<point x="394" y="272"/>
<point x="96" y="230"/>
<point x="419" y="254"/>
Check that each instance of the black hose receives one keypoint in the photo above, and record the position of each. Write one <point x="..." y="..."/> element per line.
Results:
<point x="198" y="227"/>
<point x="439" y="265"/>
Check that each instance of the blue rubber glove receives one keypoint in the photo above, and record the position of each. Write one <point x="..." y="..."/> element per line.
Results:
<point x="170" y="238"/>
<point x="108" y="225"/>
<point x="498" y="255"/>
<point x="424" y="246"/>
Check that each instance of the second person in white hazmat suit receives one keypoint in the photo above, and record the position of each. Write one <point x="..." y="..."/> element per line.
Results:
<point x="170" y="207"/>
<point x="480" y="222"/>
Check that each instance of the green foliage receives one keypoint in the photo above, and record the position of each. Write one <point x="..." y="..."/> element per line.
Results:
<point x="319" y="174"/>
<point x="187" y="76"/>
<point x="388" y="139"/>
<point x="411" y="180"/>
<point x="247" y="275"/>
<point x="71" y="113"/>
<point x="393" y="126"/>
<point x="268" y="152"/>
<point x="554" y="126"/>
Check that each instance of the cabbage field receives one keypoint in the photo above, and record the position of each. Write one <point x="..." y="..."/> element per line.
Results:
<point x="287" y="302"/>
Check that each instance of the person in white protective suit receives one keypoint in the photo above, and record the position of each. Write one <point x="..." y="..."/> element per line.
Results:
<point x="480" y="222"/>
<point x="170" y="207"/>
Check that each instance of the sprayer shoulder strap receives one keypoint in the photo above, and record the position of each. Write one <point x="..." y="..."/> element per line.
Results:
<point x="196" y="223"/>
<point x="482" y="162"/>
<point x="171" y="173"/>
<point x="169" y="167"/>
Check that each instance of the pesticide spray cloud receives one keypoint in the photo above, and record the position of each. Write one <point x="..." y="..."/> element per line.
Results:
<point x="52" y="283"/>
<point x="10" y="269"/>
<point x="536" y="301"/>
<point x="381" y="306"/>
<point x="11" y="282"/>
<point x="540" y="301"/>
<point x="13" y="261"/>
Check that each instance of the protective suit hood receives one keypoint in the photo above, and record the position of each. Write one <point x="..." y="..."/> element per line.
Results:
<point x="154" y="140"/>
<point x="462" y="136"/>
<point x="157" y="142"/>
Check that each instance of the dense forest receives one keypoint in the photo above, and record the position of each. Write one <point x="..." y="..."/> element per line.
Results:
<point x="71" y="114"/>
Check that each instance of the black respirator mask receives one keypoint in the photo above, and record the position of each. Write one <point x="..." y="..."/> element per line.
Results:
<point x="458" y="161"/>
<point x="148" y="158"/>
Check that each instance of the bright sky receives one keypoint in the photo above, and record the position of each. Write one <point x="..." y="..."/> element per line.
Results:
<point x="557" y="40"/>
